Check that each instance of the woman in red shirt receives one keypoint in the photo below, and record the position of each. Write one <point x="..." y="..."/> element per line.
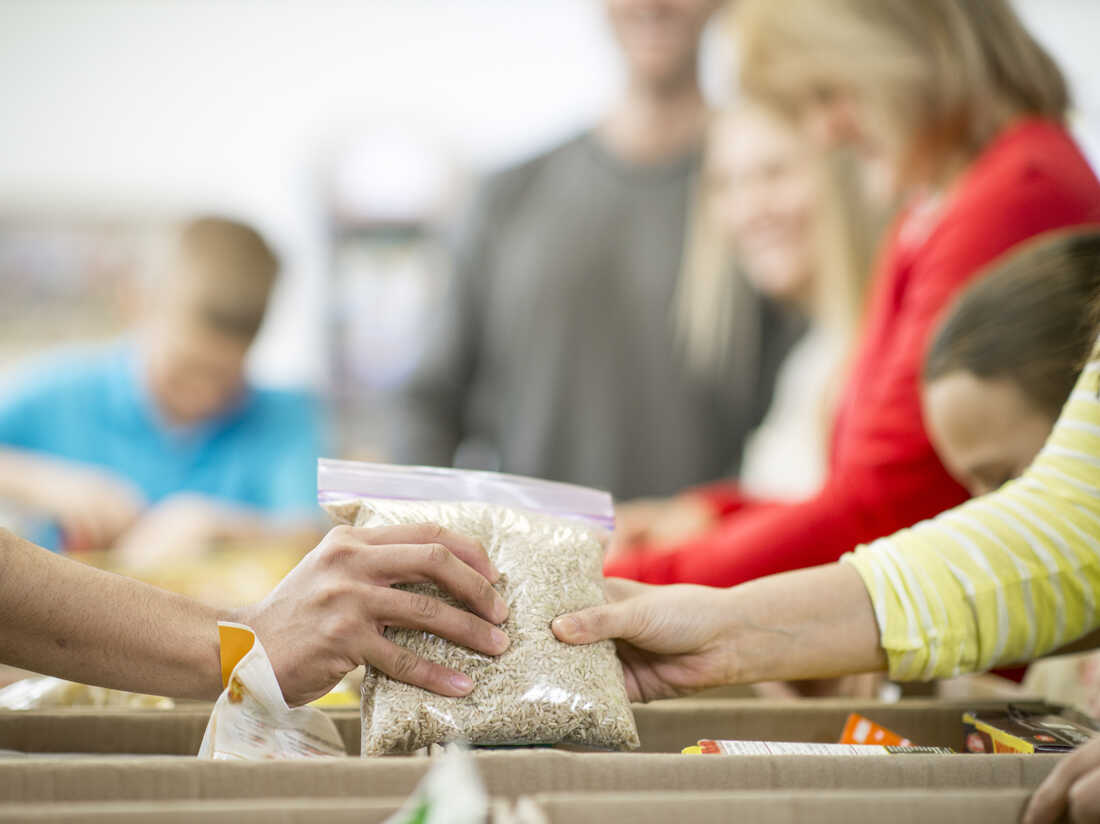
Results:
<point x="964" y="112"/>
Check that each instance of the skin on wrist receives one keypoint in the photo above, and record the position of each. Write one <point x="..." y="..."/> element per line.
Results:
<point x="70" y="620"/>
<point x="812" y="623"/>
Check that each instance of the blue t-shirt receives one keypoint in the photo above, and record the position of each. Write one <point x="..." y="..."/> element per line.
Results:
<point x="93" y="407"/>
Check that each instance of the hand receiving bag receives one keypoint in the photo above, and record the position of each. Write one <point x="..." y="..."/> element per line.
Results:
<point x="547" y="541"/>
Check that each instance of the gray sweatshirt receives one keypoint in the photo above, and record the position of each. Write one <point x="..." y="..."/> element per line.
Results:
<point x="554" y="354"/>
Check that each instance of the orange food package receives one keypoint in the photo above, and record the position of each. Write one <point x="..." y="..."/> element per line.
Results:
<point x="860" y="730"/>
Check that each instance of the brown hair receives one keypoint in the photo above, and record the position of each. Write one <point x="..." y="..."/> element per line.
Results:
<point x="225" y="272"/>
<point x="1028" y="320"/>
<point x="940" y="77"/>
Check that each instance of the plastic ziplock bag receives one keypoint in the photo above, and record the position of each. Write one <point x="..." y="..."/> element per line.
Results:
<point x="251" y="719"/>
<point x="547" y="541"/>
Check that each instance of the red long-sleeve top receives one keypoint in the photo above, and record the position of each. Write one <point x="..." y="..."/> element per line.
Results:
<point x="883" y="473"/>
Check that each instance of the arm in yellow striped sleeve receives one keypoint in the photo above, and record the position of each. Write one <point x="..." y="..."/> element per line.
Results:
<point x="1006" y="577"/>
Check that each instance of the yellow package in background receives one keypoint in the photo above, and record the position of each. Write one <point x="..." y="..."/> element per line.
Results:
<point x="251" y="719"/>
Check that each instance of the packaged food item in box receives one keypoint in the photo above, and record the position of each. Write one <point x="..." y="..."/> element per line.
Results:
<point x="1020" y="729"/>
<point x="547" y="541"/>
<point x="718" y="747"/>
<point x="251" y="719"/>
<point x="724" y="747"/>
<point x="860" y="730"/>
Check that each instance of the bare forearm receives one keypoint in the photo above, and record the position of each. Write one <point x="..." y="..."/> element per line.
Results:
<point x="19" y="474"/>
<point x="812" y="623"/>
<point x="63" y="618"/>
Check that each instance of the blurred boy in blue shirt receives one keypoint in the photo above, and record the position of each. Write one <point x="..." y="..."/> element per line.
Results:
<point x="159" y="445"/>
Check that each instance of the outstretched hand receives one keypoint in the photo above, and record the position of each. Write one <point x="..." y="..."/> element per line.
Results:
<point x="328" y="615"/>
<point x="672" y="640"/>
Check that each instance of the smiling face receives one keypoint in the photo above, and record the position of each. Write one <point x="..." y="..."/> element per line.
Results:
<point x="985" y="431"/>
<point x="660" y="38"/>
<point x="764" y="192"/>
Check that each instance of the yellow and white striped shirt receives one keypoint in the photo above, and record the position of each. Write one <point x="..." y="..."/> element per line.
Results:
<point x="1004" y="578"/>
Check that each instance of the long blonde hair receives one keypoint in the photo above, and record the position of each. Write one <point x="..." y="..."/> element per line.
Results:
<point x="940" y="77"/>
<point x="713" y="312"/>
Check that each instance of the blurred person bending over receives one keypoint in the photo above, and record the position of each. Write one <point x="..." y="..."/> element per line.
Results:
<point x="158" y="445"/>
<point x="557" y="355"/>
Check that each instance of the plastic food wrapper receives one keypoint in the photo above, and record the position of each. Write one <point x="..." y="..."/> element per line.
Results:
<point x="251" y="719"/>
<point x="720" y="747"/>
<point x="860" y="730"/>
<point x="451" y="793"/>
<point x="46" y="692"/>
<point x="547" y="541"/>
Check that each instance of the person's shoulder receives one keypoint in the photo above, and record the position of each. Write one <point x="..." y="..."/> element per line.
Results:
<point x="285" y="404"/>
<point x="502" y="184"/>
<point x="1035" y="158"/>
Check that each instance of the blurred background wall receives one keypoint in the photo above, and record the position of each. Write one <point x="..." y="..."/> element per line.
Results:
<point x="138" y="108"/>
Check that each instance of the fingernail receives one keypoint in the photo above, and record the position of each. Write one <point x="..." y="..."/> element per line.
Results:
<point x="494" y="573"/>
<point x="500" y="609"/>
<point x="500" y="640"/>
<point x="566" y="627"/>
<point x="461" y="683"/>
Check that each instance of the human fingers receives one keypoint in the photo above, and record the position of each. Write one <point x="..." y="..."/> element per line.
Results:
<point x="94" y="521"/>
<point x="1084" y="798"/>
<point x="1050" y="800"/>
<point x="117" y="513"/>
<point x="417" y="563"/>
<point x="613" y="620"/>
<point x="402" y="665"/>
<point x="412" y="610"/>
<point x="465" y="548"/>
<point x="619" y="589"/>
<point x="76" y="530"/>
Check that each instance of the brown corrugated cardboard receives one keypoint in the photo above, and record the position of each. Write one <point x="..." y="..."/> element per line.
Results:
<point x="169" y="789"/>
<point x="669" y="726"/>
<point x="506" y="774"/>
<point x="107" y="731"/>
<point x="664" y="726"/>
<point x="841" y="807"/>
<point x="265" y="811"/>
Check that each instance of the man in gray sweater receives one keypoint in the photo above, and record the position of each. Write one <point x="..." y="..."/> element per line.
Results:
<point x="555" y="355"/>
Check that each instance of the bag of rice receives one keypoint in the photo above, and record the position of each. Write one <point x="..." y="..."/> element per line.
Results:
<point x="547" y="541"/>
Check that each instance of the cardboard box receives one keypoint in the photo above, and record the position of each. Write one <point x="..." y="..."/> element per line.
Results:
<point x="179" y="785"/>
<point x="264" y="811"/>
<point x="664" y="726"/>
<point x="669" y="726"/>
<point x="841" y="807"/>
<point x="506" y="774"/>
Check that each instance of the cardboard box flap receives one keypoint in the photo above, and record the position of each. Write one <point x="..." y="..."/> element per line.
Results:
<point x="669" y="726"/>
<point x="506" y="774"/>
<point x="664" y="726"/>
<point x="35" y="780"/>
<point x="263" y="811"/>
<point x="840" y="807"/>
